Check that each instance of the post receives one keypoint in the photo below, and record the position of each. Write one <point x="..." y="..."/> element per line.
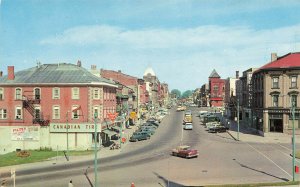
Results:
<point x="95" y="151"/>
<point x="67" y="115"/>
<point x="238" y="119"/>
<point x="121" y="134"/>
<point x="294" y="145"/>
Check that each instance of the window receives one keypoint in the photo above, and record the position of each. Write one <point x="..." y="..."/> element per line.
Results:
<point x="37" y="93"/>
<point x="37" y="112"/>
<point x="96" y="94"/>
<point x="1" y="93"/>
<point x="216" y="87"/>
<point x="275" y="100"/>
<point x="56" y="112"/>
<point x="18" y="95"/>
<point x="75" y="112"/>
<point x="75" y="93"/>
<point x="275" y="82"/>
<point x="55" y="93"/>
<point x="18" y="112"/>
<point x="3" y="113"/>
<point x="294" y="82"/>
<point x="293" y="100"/>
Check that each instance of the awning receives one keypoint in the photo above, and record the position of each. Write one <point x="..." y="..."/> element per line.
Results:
<point x="116" y="128"/>
<point x="109" y="132"/>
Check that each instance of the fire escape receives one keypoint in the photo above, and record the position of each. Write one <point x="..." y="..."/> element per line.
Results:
<point x="38" y="117"/>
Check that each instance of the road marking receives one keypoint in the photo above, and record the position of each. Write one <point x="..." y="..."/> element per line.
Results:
<point x="269" y="160"/>
<point x="284" y="147"/>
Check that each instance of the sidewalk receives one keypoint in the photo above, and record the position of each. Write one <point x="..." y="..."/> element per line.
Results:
<point x="248" y="134"/>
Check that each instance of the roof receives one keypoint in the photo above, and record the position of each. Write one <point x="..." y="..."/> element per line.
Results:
<point x="290" y="60"/>
<point x="63" y="73"/>
<point x="214" y="74"/>
<point x="150" y="71"/>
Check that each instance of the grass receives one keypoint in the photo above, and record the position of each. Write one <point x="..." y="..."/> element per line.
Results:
<point x="298" y="154"/>
<point x="259" y="184"/>
<point x="35" y="156"/>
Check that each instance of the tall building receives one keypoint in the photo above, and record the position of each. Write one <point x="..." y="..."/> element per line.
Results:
<point x="52" y="104"/>
<point x="216" y="89"/>
<point x="152" y="86"/>
<point x="275" y="89"/>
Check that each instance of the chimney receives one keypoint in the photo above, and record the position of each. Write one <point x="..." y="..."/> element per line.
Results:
<point x="1" y="73"/>
<point x="119" y="71"/>
<point x="79" y="63"/>
<point x="237" y="76"/>
<point x="10" y="73"/>
<point x="273" y="57"/>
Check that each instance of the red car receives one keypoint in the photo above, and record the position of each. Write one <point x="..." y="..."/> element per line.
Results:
<point x="185" y="152"/>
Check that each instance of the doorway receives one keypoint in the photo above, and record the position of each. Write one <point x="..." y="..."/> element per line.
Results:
<point x="276" y="125"/>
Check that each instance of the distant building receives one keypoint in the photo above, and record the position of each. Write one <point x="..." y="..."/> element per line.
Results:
<point x="152" y="86"/>
<point x="230" y="103"/>
<point x="216" y="89"/>
<point x="52" y="104"/>
<point x="275" y="88"/>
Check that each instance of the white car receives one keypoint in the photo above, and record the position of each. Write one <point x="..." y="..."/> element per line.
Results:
<point x="188" y="126"/>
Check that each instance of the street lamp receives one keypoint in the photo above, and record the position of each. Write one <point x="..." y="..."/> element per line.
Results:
<point x="238" y="119"/>
<point x="95" y="149"/>
<point x="294" y="145"/>
<point x="67" y="128"/>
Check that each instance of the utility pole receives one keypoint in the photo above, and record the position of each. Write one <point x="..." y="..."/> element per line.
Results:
<point x="67" y="135"/>
<point x="95" y="149"/>
<point x="238" y="119"/>
<point x="294" y="145"/>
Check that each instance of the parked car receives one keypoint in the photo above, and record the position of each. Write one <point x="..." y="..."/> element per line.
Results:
<point x="218" y="128"/>
<point x="137" y="136"/>
<point x="149" y="125"/>
<point x="147" y="130"/>
<point x="185" y="151"/>
<point x="188" y="126"/>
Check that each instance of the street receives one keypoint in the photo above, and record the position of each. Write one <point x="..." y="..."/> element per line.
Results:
<point x="221" y="160"/>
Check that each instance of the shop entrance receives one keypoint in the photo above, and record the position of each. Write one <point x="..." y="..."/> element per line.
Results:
<point x="276" y="125"/>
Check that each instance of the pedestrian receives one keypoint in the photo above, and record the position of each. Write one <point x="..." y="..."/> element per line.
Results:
<point x="71" y="184"/>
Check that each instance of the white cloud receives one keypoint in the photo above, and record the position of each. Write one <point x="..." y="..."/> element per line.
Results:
<point x="191" y="53"/>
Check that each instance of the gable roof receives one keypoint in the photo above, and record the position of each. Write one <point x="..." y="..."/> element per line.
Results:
<point x="63" y="73"/>
<point x="290" y="60"/>
<point x="214" y="74"/>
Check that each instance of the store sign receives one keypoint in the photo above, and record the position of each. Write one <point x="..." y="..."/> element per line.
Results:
<point x="25" y="133"/>
<point x="73" y="127"/>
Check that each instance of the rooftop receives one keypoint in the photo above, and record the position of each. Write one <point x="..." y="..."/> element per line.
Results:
<point x="54" y="74"/>
<point x="290" y="60"/>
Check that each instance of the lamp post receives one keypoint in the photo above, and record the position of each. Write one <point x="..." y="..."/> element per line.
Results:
<point x="67" y="115"/>
<point x="294" y="145"/>
<point x="95" y="149"/>
<point x="238" y="119"/>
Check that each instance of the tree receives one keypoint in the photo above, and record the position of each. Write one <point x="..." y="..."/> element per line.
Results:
<point x="187" y="94"/>
<point x="176" y="92"/>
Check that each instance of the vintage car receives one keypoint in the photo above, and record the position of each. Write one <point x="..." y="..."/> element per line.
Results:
<point x="188" y="126"/>
<point x="137" y="136"/>
<point x="218" y="128"/>
<point x="185" y="152"/>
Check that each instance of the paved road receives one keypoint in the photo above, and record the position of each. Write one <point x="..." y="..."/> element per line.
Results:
<point x="148" y="163"/>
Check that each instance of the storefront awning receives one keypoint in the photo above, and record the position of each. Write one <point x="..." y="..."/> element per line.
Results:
<point x="116" y="128"/>
<point x="109" y="132"/>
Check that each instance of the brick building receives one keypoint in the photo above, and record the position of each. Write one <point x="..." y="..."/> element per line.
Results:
<point x="216" y="89"/>
<point x="52" y="104"/>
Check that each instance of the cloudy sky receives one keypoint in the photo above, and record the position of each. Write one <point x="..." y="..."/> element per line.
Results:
<point x="182" y="40"/>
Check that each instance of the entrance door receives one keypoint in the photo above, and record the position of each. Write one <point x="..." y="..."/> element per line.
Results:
<point x="276" y="125"/>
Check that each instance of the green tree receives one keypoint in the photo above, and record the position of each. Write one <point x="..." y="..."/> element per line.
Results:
<point x="187" y="94"/>
<point x="176" y="92"/>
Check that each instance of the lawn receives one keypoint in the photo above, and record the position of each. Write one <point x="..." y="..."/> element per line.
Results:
<point x="298" y="154"/>
<point x="35" y="156"/>
<point x="258" y="184"/>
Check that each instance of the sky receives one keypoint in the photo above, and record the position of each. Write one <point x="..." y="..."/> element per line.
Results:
<point x="182" y="40"/>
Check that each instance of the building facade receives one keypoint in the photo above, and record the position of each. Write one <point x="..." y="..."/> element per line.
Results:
<point x="216" y="90"/>
<point x="54" y="106"/>
<point x="275" y="91"/>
